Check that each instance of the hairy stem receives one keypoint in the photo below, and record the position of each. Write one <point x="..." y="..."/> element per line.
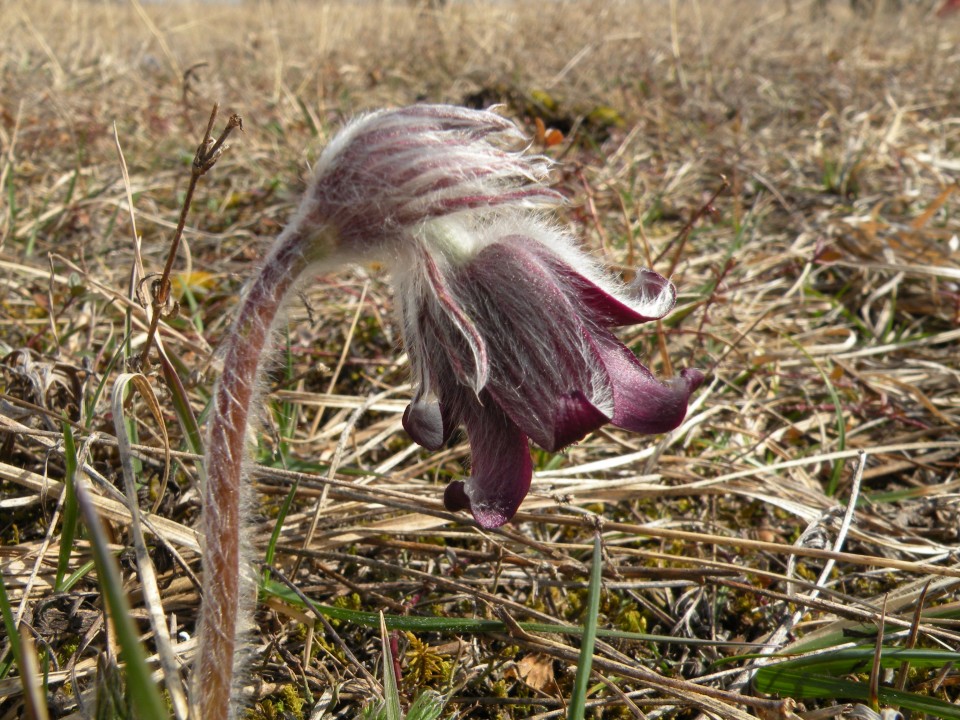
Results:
<point x="223" y="590"/>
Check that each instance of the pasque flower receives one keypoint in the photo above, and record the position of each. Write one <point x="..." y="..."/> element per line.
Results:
<point x="506" y="321"/>
<point x="507" y="325"/>
<point x="508" y="331"/>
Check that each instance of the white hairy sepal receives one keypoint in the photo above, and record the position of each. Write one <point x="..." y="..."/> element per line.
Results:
<point x="419" y="276"/>
<point x="423" y="162"/>
<point x="567" y="248"/>
<point x="452" y="243"/>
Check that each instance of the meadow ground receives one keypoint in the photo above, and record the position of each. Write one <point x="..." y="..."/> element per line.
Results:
<point x="795" y="175"/>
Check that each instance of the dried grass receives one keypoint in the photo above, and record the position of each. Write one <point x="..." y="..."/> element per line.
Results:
<point x="820" y="289"/>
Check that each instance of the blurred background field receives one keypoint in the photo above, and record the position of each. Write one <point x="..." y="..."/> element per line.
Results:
<point x="792" y="165"/>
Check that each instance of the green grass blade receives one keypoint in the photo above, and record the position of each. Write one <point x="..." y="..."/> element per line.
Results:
<point x="278" y="526"/>
<point x="124" y="384"/>
<point x="68" y="528"/>
<point x="93" y="402"/>
<point x="181" y="406"/>
<point x="34" y="686"/>
<point x="838" y="411"/>
<point x="77" y="575"/>
<point x="417" y="623"/>
<point x="582" y="681"/>
<point x="858" y="660"/>
<point x="787" y="680"/>
<point x="9" y="622"/>
<point x="391" y="694"/>
<point x="839" y="633"/>
<point x="140" y="684"/>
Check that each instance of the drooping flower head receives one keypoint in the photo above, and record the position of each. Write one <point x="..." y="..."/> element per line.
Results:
<point x="507" y="324"/>
<point x="387" y="173"/>
<point x="506" y="321"/>
<point x="513" y="340"/>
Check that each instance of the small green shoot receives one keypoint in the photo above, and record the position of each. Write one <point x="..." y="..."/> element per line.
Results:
<point x="9" y="624"/>
<point x="34" y="688"/>
<point x="278" y="527"/>
<point x="428" y="705"/>
<point x="391" y="694"/>
<point x="838" y="411"/>
<point x="582" y="681"/>
<point x="182" y="409"/>
<point x="70" y="512"/>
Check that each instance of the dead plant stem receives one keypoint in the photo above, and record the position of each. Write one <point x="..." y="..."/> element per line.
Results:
<point x="205" y="158"/>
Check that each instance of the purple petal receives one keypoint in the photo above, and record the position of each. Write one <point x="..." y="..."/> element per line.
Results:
<point x="455" y="496"/>
<point x="438" y="403"/>
<point x="423" y="421"/>
<point x="575" y="418"/>
<point x="652" y="294"/>
<point x="501" y="468"/>
<point x="655" y="296"/>
<point x="537" y="344"/>
<point x="641" y="403"/>
<point x="473" y="371"/>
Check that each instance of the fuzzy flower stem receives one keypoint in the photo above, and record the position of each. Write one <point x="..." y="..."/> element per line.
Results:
<point x="375" y="185"/>
<point x="223" y="588"/>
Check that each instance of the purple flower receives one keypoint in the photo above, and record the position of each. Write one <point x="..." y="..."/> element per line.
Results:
<point x="388" y="172"/>
<point x="506" y="322"/>
<point x="508" y="332"/>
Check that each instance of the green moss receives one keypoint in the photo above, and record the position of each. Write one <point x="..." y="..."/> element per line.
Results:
<point x="300" y="632"/>
<point x="576" y="601"/>
<point x="67" y="648"/>
<point x="320" y="643"/>
<point x="632" y="621"/>
<point x="284" y="704"/>
<point x="535" y="602"/>
<point x="293" y="703"/>
<point x="351" y="601"/>
<point x="425" y="666"/>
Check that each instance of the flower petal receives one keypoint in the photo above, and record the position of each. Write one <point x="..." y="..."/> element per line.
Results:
<point x="543" y="372"/>
<point x="423" y="421"/>
<point x="652" y="294"/>
<point x="649" y="297"/>
<point x="473" y="371"/>
<point x="575" y="417"/>
<point x="501" y="467"/>
<point x="641" y="403"/>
